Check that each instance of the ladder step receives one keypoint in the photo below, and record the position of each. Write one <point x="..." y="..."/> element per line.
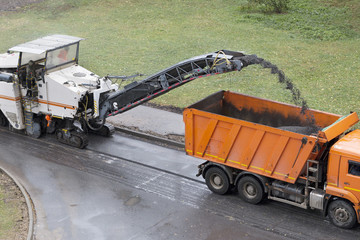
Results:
<point x="313" y="169"/>
<point x="312" y="179"/>
<point x="302" y="205"/>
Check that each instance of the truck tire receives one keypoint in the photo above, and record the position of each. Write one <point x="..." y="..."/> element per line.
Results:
<point x="217" y="180"/>
<point x="342" y="214"/>
<point x="250" y="190"/>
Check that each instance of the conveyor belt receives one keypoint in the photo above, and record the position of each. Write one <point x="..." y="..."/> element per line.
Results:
<point x="137" y="93"/>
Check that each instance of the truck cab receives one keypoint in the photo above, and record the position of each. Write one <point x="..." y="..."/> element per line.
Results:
<point x="343" y="178"/>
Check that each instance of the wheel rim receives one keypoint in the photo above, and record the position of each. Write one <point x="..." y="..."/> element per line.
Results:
<point x="216" y="181"/>
<point x="249" y="191"/>
<point x="341" y="215"/>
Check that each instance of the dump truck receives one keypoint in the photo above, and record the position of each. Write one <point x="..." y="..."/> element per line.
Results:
<point x="267" y="149"/>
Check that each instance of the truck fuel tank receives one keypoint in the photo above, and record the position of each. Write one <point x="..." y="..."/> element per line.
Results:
<point x="317" y="197"/>
<point x="292" y="192"/>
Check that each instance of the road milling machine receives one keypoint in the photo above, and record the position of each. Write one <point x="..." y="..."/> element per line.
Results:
<point x="43" y="89"/>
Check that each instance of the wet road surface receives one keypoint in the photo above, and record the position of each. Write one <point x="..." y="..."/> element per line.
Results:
<point x="121" y="188"/>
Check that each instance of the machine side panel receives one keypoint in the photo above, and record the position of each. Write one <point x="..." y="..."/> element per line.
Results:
<point x="10" y="104"/>
<point x="56" y="99"/>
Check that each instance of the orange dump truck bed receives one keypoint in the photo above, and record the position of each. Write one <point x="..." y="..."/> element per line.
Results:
<point x="265" y="137"/>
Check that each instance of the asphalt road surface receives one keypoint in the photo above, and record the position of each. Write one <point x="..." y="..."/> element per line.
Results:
<point x="121" y="188"/>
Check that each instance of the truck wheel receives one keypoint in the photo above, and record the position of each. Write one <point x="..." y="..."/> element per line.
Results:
<point x="342" y="214"/>
<point x="217" y="180"/>
<point x="250" y="190"/>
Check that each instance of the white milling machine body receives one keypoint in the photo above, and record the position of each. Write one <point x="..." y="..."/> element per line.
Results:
<point x="44" y="90"/>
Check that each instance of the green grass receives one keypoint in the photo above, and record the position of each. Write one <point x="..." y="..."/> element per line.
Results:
<point x="313" y="19"/>
<point x="9" y="214"/>
<point x="126" y="37"/>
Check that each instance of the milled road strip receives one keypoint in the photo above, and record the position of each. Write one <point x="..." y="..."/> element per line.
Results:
<point x="150" y="137"/>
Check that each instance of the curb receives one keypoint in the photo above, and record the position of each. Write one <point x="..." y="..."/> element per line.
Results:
<point x="28" y="203"/>
<point x="150" y="137"/>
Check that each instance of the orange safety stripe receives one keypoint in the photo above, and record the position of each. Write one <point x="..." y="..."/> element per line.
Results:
<point x="40" y="101"/>
<point x="10" y="98"/>
<point x="56" y="104"/>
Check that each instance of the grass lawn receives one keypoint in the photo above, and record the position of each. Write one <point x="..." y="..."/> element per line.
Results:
<point x="13" y="225"/>
<point x="6" y="213"/>
<point x="127" y="37"/>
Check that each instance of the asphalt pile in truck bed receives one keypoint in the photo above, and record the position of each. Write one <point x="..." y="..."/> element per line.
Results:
<point x="272" y="119"/>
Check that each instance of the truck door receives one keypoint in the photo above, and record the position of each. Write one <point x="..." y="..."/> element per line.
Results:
<point x="349" y="177"/>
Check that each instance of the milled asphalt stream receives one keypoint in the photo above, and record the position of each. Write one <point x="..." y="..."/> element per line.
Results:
<point x="141" y="118"/>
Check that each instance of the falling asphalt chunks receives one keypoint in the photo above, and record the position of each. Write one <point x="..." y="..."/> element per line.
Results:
<point x="248" y="60"/>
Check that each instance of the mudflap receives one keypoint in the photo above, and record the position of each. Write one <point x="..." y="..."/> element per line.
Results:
<point x="72" y="138"/>
<point x="51" y="127"/>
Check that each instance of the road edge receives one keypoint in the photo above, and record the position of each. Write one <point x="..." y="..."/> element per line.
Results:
<point x="29" y="203"/>
<point x="150" y="137"/>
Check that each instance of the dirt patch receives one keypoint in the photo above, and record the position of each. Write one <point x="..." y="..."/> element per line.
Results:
<point x="173" y="137"/>
<point x="14" y="212"/>
<point x="165" y="107"/>
<point x="14" y="5"/>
